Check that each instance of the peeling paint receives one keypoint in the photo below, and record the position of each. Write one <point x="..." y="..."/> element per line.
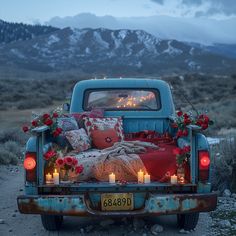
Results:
<point x="81" y="205"/>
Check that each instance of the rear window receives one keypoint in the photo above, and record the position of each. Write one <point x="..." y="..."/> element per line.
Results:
<point x="122" y="99"/>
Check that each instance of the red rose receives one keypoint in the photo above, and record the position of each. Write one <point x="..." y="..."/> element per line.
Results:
<point x="55" y="133"/>
<point x="186" y="149"/>
<point x="48" y="122"/>
<point x="49" y="154"/>
<point x="174" y="125"/>
<point x="75" y="162"/>
<point x="79" y="169"/>
<point x="204" y="126"/>
<point x="25" y="128"/>
<point x="179" y="133"/>
<point x="185" y="132"/>
<point x="69" y="160"/>
<point x="60" y="162"/>
<point x="59" y="130"/>
<point x="206" y="119"/>
<point x="55" y="115"/>
<point x="187" y="121"/>
<point x="177" y="151"/>
<point x="179" y="113"/>
<point x="34" y="123"/>
<point x="46" y="116"/>
<point x="186" y="116"/>
<point x="199" y="122"/>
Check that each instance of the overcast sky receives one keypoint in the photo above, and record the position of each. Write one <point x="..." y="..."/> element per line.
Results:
<point x="30" y="11"/>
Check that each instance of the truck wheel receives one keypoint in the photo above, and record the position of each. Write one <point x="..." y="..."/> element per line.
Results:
<point x="187" y="221"/>
<point x="51" y="222"/>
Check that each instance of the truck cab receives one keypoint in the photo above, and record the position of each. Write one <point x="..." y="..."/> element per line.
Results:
<point x="145" y="106"/>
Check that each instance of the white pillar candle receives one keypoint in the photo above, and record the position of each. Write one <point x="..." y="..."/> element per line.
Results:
<point x="173" y="179"/>
<point x="56" y="177"/>
<point x="140" y="176"/>
<point x="48" y="178"/>
<point x="147" y="178"/>
<point x="112" y="178"/>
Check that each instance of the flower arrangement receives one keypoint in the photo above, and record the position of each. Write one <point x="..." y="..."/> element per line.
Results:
<point x="69" y="163"/>
<point x="49" y="119"/>
<point x="184" y="119"/>
<point x="182" y="154"/>
<point x="51" y="157"/>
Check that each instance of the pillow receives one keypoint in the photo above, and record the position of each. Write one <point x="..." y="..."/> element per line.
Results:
<point x="104" y="138"/>
<point x="105" y="123"/>
<point x="78" y="139"/>
<point x="94" y="113"/>
<point x="67" y="123"/>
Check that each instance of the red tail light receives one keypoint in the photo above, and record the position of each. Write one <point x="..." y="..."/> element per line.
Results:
<point x="30" y="166"/>
<point x="204" y="165"/>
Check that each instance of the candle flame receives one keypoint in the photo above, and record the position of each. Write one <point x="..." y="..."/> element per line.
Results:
<point x="55" y="171"/>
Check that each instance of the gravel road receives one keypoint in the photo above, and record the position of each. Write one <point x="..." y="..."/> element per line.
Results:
<point x="14" y="223"/>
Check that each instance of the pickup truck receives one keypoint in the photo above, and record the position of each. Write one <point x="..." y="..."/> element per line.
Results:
<point x="156" y="198"/>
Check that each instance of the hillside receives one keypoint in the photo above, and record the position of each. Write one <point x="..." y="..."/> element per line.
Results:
<point x="11" y="32"/>
<point x="111" y="52"/>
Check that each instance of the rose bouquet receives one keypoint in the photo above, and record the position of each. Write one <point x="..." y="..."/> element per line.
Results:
<point x="51" y="157"/>
<point x="68" y="164"/>
<point x="184" y="119"/>
<point x="182" y="158"/>
<point x="49" y="119"/>
<point x="182" y="154"/>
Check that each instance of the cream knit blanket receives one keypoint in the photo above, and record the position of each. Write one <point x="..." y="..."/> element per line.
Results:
<point x="122" y="159"/>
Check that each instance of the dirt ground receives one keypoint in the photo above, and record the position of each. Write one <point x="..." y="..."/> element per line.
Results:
<point x="14" y="223"/>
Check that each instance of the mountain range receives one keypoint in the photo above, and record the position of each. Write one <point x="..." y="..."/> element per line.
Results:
<point x="198" y="29"/>
<point x="111" y="52"/>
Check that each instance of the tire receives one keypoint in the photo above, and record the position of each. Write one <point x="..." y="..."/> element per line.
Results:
<point x="51" y="222"/>
<point x="187" y="221"/>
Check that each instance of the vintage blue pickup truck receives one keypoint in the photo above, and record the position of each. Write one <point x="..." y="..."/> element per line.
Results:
<point x="185" y="200"/>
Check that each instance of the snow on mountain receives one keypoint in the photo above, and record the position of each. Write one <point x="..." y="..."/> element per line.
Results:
<point x="197" y="29"/>
<point x="111" y="52"/>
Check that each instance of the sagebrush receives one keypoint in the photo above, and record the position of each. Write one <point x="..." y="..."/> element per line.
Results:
<point x="224" y="165"/>
<point x="12" y="143"/>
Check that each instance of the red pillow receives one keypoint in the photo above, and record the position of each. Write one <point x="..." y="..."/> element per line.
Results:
<point x="104" y="138"/>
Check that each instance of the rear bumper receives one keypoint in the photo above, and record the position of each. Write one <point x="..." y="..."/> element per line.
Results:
<point x="80" y="205"/>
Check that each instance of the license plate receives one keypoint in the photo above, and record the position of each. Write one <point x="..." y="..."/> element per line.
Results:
<point x="117" y="201"/>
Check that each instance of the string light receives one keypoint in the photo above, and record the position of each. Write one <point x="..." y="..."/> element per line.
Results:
<point x="132" y="101"/>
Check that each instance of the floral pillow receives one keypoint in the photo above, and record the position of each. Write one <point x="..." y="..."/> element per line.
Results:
<point x="78" y="139"/>
<point x="67" y="123"/>
<point x="104" y="124"/>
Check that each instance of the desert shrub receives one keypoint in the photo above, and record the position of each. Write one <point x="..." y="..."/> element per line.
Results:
<point x="224" y="165"/>
<point x="7" y="157"/>
<point x="13" y="134"/>
<point x="12" y="142"/>
<point x="13" y="147"/>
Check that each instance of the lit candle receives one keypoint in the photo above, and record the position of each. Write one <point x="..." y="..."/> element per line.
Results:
<point x="112" y="178"/>
<point x="147" y="179"/>
<point x="56" y="177"/>
<point x="140" y="176"/>
<point x="181" y="180"/>
<point x="48" y="178"/>
<point x="173" y="179"/>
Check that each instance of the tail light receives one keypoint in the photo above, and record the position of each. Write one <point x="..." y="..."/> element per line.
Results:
<point x="204" y="165"/>
<point x="30" y="166"/>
